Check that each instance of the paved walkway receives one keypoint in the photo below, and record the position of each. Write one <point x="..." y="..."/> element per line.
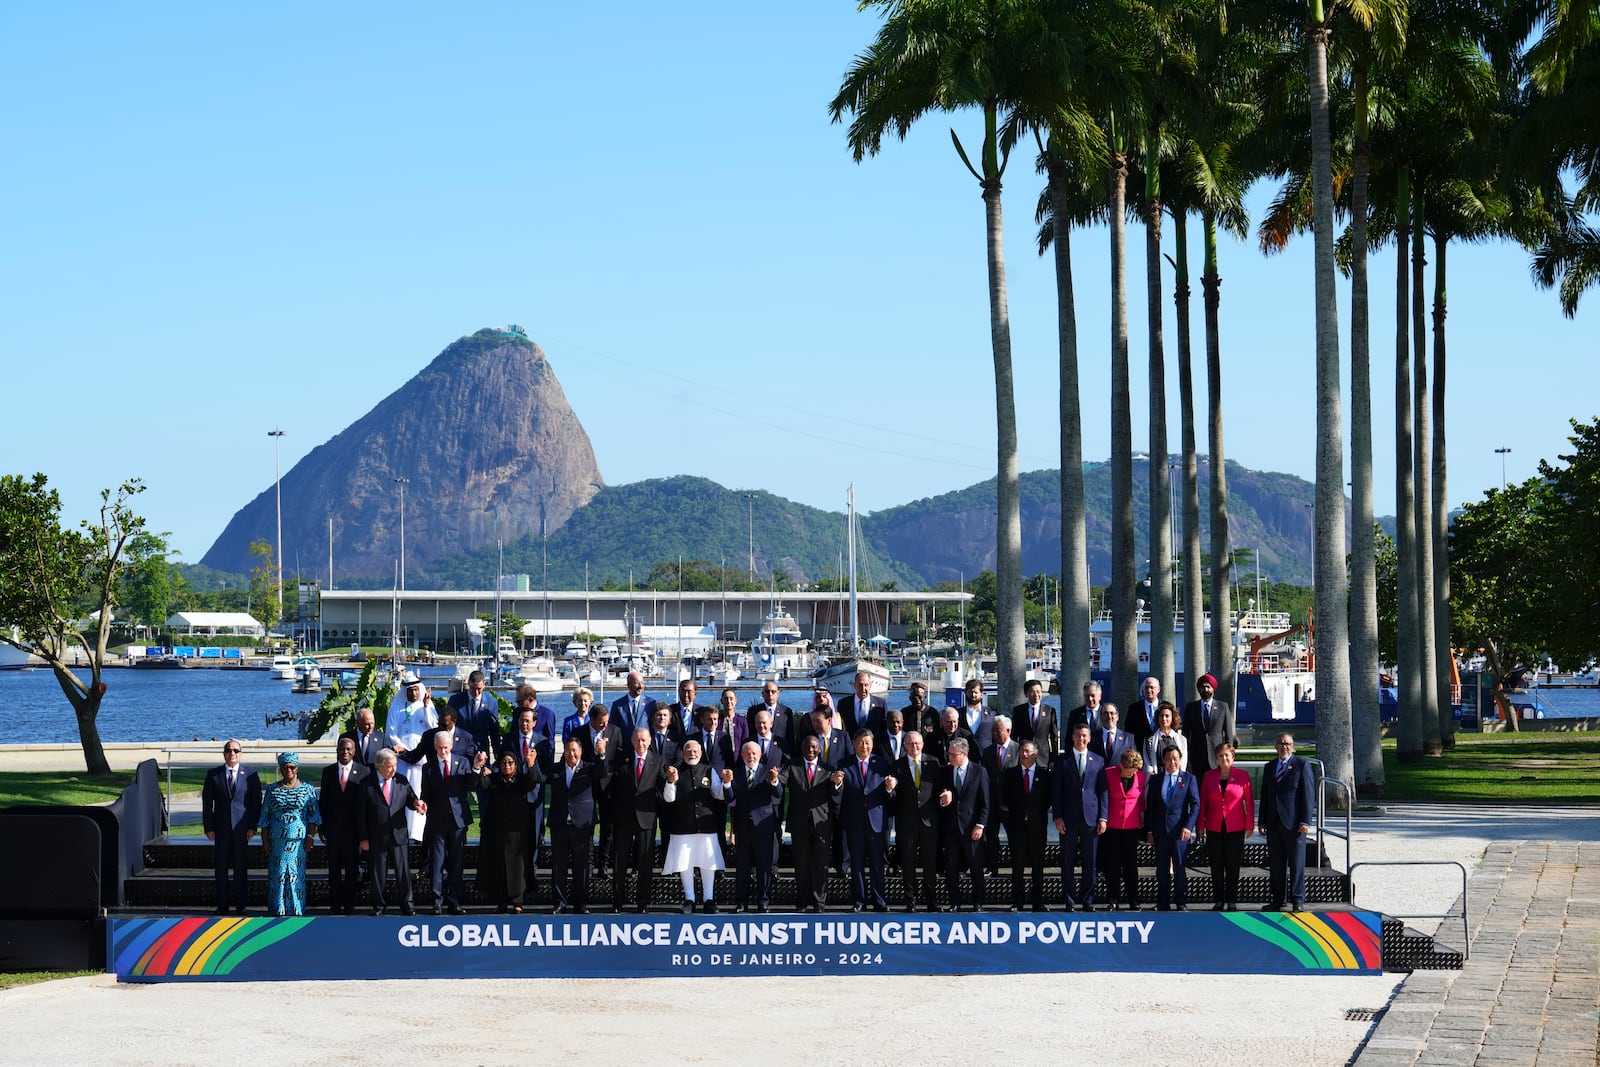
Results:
<point x="1530" y="993"/>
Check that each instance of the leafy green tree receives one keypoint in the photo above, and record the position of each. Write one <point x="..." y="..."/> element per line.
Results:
<point x="147" y="580"/>
<point x="263" y="597"/>
<point x="52" y="577"/>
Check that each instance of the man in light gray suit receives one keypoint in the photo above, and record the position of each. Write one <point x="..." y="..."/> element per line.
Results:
<point x="1207" y="723"/>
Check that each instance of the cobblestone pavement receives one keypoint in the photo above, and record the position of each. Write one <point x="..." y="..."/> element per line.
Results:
<point x="1530" y="993"/>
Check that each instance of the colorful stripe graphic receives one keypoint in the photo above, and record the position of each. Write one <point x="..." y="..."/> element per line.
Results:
<point x="187" y="948"/>
<point x="1322" y="941"/>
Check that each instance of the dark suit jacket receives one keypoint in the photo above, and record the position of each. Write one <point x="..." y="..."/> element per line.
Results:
<point x="756" y="805"/>
<point x="573" y="806"/>
<point x="1203" y="742"/>
<point x="1075" y="799"/>
<point x="995" y="768"/>
<point x="480" y="718"/>
<point x="835" y="751"/>
<point x="636" y="802"/>
<point x="694" y="809"/>
<point x="1121" y="741"/>
<point x="782" y="719"/>
<point x="384" y="825"/>
<point x="1185" y="809"/>
<point x="778" y="752"/>
<point x="1080" y="715"/>
<point x="462" y="744"/>
<point x="221" y="813"/>
<point x="919" y="803"/>
<point x="870" y="717"/>
<point x="374" y="744"/>
<point x="449" y="798"/>
<point x="814" y="804"/>
<point x="971" y="805"/>
<point x="925" y="721"/>
<point x="882" y="747"/>
<point x="1139" y="720"/>
<point x="1046" y="736"/>
<point x="939" y="744"/>
<point x="864" y="802"/>
<point x="1027" y="810"/>
<point x="984" y="734"/>
<point x="629" y="722"/>
<point x="616" y="741"/>
<point x="341" y="808"/>
<point x="687" y="722"/>
<point x="1287" y="802"/>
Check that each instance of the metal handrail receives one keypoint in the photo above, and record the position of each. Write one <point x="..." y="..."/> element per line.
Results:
<point x="1466" y="936"/>
<point x="1323" y="781"/>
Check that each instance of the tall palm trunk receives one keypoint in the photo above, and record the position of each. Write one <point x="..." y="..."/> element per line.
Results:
<point x="1220" y="654"/>
<point x="1124" y="615"/>
<point x="1442" y="655"/>
<point x="1421" y="449"/>
<point x="1332" y="585"/>
<point x="1160" y="535"/>
<point x="1409" y="744"/>
<point x="1364" y="713"/>
<point x="1194" y="662"/>
<point x="1011" y="637"/>
<point x="1075" y="618"/>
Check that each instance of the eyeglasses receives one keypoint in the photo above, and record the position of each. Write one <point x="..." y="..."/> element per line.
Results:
<point x="1285" y="744"/>
<point x="231" y="751"/>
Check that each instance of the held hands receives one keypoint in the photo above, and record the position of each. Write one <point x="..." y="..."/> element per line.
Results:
<point x="772" y="776"/>
<point x="600" y="746"/>
<point x="837" y="779"/>
<point x="422" y="807"/>
<point x="945" y="798"/>
<point x="727" y="776"/>
<point x="672" y="776"/>
<point x="889" y="783"/>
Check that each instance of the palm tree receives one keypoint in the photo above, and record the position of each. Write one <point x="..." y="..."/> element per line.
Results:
<point x="949" y="56"/>
<point x="1124" y="577"/>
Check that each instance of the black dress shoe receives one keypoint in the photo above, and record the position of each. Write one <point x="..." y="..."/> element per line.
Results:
<point x="1163" y="907"/>
<point x="1091" y="906"/>
<point x="559" y="909"/>
<point x="378" y="912"/>
<point x="222" y="910"/>
<point x="813" y="909"/>
<point x="855" y="907"/>
<point x="455" y="909"/>
<point x="1181" y="907"/>
<point x="709" y="907"/>
<point x="580" y="910"/>
<point x="1038" y="907"/>
<point x="740" y="909"/>
<point x="438" y="909"/>
<point x="1218" y="906"/>
<point x="880" y="908"/>
<point x="407" y="909"/>
<point x="688" y="907"/>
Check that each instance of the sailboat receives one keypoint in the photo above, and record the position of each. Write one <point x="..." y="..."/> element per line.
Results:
<point x="839" y="677"/>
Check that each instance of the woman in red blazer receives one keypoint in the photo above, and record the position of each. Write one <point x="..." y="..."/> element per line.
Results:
<point x="1125" y="794"/>
<point x="1227" y="817"/>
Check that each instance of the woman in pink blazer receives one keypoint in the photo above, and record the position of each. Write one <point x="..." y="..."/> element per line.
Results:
<point x="1227" y="817"/>
<point x="1125" y="795"/>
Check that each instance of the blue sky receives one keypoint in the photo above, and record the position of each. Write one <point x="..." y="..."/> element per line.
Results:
<point x="226" y="219"/>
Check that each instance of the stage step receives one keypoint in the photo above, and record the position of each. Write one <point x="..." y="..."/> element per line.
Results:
<point x="1407" y="950"/>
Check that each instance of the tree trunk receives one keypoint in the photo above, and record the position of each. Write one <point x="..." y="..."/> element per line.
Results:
<point x="1409" y="744"/>
<point x="1442" y="653"/>
<point x="85" y="701"/>
<point x="1075" y="617"/>
<point x="1194" y="662"/>
<point x="1220" y="654"/>
<point x="1332" y="585"/>
<point x="1124" y="616"/>
<point x="1366" y="728"/>
<point x="1010" y="635"/>
<point x="1422" y="450"/>
<point x="1160" y="534"/>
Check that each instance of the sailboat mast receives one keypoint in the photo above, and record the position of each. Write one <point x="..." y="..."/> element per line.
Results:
<point x="855" y="630"/>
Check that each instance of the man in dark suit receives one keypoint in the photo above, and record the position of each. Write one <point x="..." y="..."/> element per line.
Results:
<point x="730" y="731"/>
<point x="813" y="807"/>
<point x="782" y="714"/>
<point x="1078" y="801"/>
<point x="635" y="803"/>
<point x="448" y="782"/>
<point x="527" y="745"/>
<point x="1026" y="789"/>
<point x="774" y="749"/>
<point x="917" y="820"/>
<point x="864" y="818"/>
<point x="995" y="760"/>
<point x="1141" y="720"/>
<point x="366" y="737"/>
<point x="385" y="837"/>
<point x="1207" y="723"/>
<point x="462" y="743"/>
<point x="544" y="720"/>
<point x="686" y="713"/>
<point x="950" y="731"/>
<point x="1107" y="741"/>
<point x="602" y="740"/>
<point x="861" y="710"/>
<point x="754" y="811"/>
<point x="890" y="742"/>
<point x="1286" y="809"/>
<point x="339" y="804"/>
<point x="1171" y="807"/>
<point x="632" y="709"/>
<point x="832" y="748"/>
<point x="919" y="715"/>
<point x="230" y="809"/>
<point x="964" y="807"/>
<point x="666" y="736"/>
<point x="574" y="788"/>
<point x="1034" y="720"/>
<point x="976" y="717"/>
<point x="1087" y="713"/>
<point x="478" y="713"/>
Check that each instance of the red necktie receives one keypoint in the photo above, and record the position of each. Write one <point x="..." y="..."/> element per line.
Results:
<point x="446" y="765"/>
<point x="638" y="770"/>
<point x="386" y="790"/>
<point x="811" y="770"/>
<point x="344" y="778"/>
<point x="1027" y="782"/>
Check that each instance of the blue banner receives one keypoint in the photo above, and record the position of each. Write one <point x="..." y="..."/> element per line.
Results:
<point x="253" y="949"/>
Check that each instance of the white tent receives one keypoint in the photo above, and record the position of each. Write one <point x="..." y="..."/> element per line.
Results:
<point x="212" y="623"/>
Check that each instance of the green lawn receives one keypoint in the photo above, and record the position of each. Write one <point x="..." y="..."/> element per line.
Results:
<point x="67" y="787"/>
<point x="1541" y="768"/>
<point x="16" y="978"/>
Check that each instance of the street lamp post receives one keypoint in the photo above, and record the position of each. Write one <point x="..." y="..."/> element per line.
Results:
<point x="277" y="484"/>
<point x="402" y="482"/>
<point x="1502" y="453"/>
<point x="751" y="497"/>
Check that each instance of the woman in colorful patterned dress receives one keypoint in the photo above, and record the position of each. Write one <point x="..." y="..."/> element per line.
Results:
<point x="289" y="816"/>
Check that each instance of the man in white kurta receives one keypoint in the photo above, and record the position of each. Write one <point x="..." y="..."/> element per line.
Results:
<point x="410" y="715"/>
